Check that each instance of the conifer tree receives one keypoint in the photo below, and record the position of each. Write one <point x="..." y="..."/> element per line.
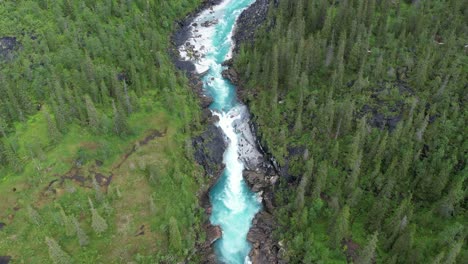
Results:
<point x="303" y="85"/>
<point x="53" y="132"/>
<point x="97" y="190"/>
<point x="439" y="258"/>
<point x="83" y="239"/>
<point x="340" y="227"/>
<point x="320" y="180"/>
<point x="367" y="254"/>
<point x="175" y="239"/>
<point x="93" y="118"/>
<point x="120" y="122"/>
<point x="454" y="251"/>
<point x="57" y="255"/>
<point x="66" y="222"/>
<point x="153" y="208"/>
<point x="300" y="197"/>
<point x="59" y="115"/>
<point x="98" y="223"/>
<point x="34" y="216"/>
<point x="11" y="156"/>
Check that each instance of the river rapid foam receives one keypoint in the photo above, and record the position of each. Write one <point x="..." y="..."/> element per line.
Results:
<point x="234" y="205"/>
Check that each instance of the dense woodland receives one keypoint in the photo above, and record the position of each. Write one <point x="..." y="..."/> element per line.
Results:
<point x="83" y="85"/>
<point x="363" y="102"/>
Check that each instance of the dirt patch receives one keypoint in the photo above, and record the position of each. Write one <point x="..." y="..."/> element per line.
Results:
<point x="352" y="249"/>
<point x="153" y="134"/>
<point x="102" y="180"/>
<point x="89" y="145"/>
<point x="141" y="231"/>
<point x="76" y="174"/>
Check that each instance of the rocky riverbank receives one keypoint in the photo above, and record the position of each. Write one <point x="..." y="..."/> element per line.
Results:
<point x="210" y="145"/>
<point x="264" y="177"/>
<point x="249" y="21"/>
<point x="261" y="173"/>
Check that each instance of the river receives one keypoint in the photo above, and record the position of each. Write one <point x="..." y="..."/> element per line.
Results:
<point x="233" y="204"/>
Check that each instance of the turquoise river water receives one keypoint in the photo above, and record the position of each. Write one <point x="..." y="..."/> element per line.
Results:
<point x="233" y="204"/>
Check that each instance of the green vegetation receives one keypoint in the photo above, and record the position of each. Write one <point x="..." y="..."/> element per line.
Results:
<point x="93" y="128"/>
<point x="364" y="102"/>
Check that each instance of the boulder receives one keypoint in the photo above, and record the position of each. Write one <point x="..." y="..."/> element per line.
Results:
<point x="206" y="101"/>
<point x="256" y="180"/>
<point x="231" y="75"/>
<point x="213" y="233"/>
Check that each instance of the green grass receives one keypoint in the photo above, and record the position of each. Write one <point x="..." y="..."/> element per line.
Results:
<point x="174" y="192"/>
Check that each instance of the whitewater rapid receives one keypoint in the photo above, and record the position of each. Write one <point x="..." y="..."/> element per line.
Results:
<point x="233" y="204"/>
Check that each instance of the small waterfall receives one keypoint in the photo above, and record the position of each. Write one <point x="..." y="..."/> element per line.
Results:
<point x="234" y="205"/>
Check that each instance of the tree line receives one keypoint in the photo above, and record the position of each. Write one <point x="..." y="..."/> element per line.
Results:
<point x="90" y="63"/>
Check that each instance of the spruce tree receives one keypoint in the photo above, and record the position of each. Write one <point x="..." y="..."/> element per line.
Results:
<point x="98" y="223"/>
<point x="97" y="190"/>
<point x="83" y="239"/>
<point x="320" y="180"/>
<point x="120" y="123"/>
<point x="301" y="192"/>
<point x="56" y="254"/>
<point x="93" y="117"/>
<point x="340" y="227"/>
<point x="11" y="156"/>
<point x="367" y="254"/>
<point x="175" y="239"/>
<point x="53" y="132"/>
<point x="34" y="216"/>
<point x="454" y="252"/>
<point x="66" y="222"/>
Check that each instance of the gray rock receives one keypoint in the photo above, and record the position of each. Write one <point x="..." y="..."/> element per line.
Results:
<point x="8" y="46"/>
<point x="249" y="21"/>
<point x="209" y="149"/>
<point x="264" y="249"/>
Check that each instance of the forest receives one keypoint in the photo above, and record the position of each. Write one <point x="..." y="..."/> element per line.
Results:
<point x="94" y="122"/>
<point x="362" y="103"/>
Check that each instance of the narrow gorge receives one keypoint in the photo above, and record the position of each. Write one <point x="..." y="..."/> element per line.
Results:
<point x="206" y="42"/>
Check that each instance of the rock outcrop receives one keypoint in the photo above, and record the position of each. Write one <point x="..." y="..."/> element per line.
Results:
<point x="263" y="183"/>
<point x="209" y="149"/>
<point x="8" y="46"/>
<point x="213" y="233"/>
<point x="249" y="21"/>
<point x="261" y="173"/>
<point x="264" y="249"/>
